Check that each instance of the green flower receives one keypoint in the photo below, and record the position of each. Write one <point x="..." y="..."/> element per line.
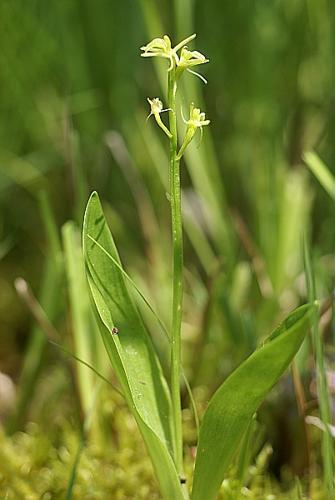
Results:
<point x="161" y="47"/>
<point x="197" y="118"/>
<point x="191" y="58"/>
<point x="156" y="106"/>
<point x="196" y="121"/>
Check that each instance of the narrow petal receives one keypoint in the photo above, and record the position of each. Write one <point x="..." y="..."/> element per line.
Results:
<point x="184" y="42"/>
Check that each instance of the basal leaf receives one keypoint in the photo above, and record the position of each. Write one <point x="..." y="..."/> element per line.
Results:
<point x="234" y="403"/>
<point x="130" y="350"/>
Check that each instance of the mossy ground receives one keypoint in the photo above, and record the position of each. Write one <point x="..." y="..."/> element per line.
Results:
<point x="37" y="463"/>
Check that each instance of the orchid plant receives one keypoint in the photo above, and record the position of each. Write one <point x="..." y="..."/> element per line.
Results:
<point x="161" y="47"/>
<point x="154" y="403"/>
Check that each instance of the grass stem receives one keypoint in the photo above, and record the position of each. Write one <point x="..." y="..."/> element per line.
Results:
<point x="327" y="449"/>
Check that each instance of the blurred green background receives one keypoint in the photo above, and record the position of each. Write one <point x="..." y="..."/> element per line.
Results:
<point x="73" y="119"/>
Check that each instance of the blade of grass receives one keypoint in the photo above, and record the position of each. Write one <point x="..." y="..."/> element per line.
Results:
<point x="50" y="225"/>
<point x="50" y="302"/>
<point x="321" y="172"/>
<point x="81" y="446"/>
<point x="74" y="469"/>
<point x="87" y="365"/>
<point x="83" y="336"/>
<point x="293" y="211"/>
<point x="328" y="457"/>
<point x="298" y="489"/>
<point x="49" y="330"/>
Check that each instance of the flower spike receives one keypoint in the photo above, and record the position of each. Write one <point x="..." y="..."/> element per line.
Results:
<point x="181" y="59"/>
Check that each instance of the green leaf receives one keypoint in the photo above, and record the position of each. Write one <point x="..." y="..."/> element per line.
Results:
<point x="83" y="333"/>
<point x="321" y="172"/>
<point x="234" y="403"/>
<point x="131" y="351"/>
<point x="325" y="402"/>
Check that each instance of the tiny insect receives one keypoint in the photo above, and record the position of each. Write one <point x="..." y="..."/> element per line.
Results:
<point x="115" y="330"/>
<point x="182" y="480"/>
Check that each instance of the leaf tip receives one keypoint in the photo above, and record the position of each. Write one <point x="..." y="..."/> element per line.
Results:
<point x="94" y="195"/>
<point x="316" y="305"/>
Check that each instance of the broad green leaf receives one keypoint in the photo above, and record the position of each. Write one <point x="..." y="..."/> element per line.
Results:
<point x="321" y="172"/>
<point x="234" y="403"/>
<point x="130" y="350"/>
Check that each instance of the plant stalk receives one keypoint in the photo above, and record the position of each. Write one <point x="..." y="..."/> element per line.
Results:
<point x="177" y="244"/>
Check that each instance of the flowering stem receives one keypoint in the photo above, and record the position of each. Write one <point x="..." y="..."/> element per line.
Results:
<point x="177" y="243"/>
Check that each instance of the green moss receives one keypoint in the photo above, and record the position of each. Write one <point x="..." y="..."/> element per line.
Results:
<point x="37" y="463"/>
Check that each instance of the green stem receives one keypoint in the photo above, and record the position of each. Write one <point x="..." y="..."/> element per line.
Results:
<point x="177" y="243"/>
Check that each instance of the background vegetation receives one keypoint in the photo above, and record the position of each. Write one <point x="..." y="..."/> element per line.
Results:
<point x="73" y="110"/>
